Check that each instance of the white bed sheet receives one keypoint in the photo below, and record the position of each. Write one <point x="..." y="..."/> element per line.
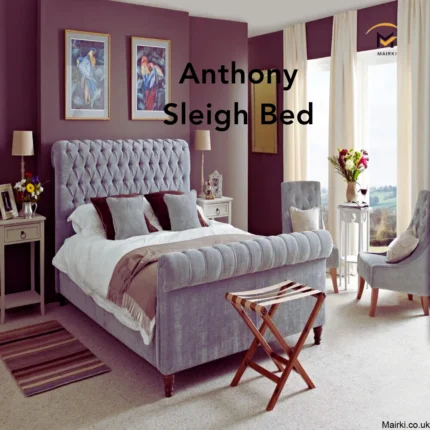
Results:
<point x="89" y="261"/>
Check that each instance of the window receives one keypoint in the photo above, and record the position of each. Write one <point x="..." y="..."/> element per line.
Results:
<point x="319" y="95"/>
<point x="376" y="127"/>
<point x="377" y="132"/>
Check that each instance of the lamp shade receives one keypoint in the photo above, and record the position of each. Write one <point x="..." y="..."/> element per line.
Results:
<point x="22" y="143"/>
<point x="203" y="140"/>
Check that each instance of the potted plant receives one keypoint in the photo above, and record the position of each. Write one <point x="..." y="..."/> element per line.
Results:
<point x="350" y="164"/>
<point x="28" y="191"/>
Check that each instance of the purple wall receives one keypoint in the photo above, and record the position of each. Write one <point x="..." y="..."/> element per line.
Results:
<point x="18" y="109"/>
<point x="370" y="16"/>
<point x="229" y="149"/>
<point x="266" y="170"/>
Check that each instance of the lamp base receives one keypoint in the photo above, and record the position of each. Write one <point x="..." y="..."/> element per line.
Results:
<point x="201" y="195"/>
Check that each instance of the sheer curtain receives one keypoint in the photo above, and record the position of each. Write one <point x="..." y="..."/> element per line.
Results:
<point x="413" y="62"/>
<point x="342" y="102"/>
<point x="295" y="135"/>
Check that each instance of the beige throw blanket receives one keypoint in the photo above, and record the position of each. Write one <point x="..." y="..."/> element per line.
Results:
<point x="133" y="285"/>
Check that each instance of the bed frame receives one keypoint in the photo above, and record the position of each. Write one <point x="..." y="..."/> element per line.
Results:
<point x="188" y="331"/>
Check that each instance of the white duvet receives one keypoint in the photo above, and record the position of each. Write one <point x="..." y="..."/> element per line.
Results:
<point x="89" y="261"/>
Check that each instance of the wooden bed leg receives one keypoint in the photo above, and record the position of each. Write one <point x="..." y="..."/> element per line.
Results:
<point x="361" y="282"/>
<point x="373" y="302"/>
<point x="63" y="301"/>
<point x="317" y="335"/>
<point x="425" y="305"/>
<point x="169" y="382"/>
<point x="333" y="273"/>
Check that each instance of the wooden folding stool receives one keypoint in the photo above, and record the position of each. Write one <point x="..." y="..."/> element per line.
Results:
<point x="273" y="296"/>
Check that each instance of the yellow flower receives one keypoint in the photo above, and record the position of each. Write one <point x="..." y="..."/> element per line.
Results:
<point x="30" y="188"/>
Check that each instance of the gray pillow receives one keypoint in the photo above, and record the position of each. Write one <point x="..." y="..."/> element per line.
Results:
<point x="182" y="211"/>
<point x="127" y="216"/>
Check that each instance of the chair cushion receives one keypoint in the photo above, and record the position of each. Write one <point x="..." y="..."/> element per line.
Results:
<point x="304" y="220"/>
<point x="367" y="262"/>
<point x="402" y="247"/>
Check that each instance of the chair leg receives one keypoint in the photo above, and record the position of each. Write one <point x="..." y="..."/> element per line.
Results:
<point x="374" y="302"/>
<point x="333" y="273"/>
<point x="361" y="282"/>
<point x="425" y="305"/>
<point x="410" y="296"/>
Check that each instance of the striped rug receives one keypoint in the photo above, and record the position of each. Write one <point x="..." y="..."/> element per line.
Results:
<point x="46" y="356"/>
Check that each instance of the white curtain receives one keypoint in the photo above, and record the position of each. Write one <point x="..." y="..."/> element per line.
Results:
<point x="413" y="122"/>
<point x="342" y="102"/>
<point x="295" y="135"/>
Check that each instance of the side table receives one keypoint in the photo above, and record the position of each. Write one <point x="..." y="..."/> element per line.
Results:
<point x="350" y="215"/>
<point x="12" y="232"/>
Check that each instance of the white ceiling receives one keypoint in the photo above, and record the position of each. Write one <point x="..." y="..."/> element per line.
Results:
<point x="262" y="16"/>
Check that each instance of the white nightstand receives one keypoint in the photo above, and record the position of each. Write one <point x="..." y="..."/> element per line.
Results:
<point x="217" y="208"/>
<point x="21" y="230"/>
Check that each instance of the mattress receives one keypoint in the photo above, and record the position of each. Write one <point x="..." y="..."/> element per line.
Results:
<point x="89" y="261"/>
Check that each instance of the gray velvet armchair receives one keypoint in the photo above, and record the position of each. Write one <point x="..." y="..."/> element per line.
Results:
<point x="306" y="195"/>
<point x="411" y="275"/>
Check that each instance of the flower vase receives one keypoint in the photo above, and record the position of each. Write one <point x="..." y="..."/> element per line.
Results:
<point x="28" y="209"/>
<point x="351" y="192"/>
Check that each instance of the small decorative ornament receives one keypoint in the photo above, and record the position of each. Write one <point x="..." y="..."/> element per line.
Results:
<point x="28" y="192"/>
<point x="350" y="164"/>
<point x="215" y="179"/>
<point x="208" y="191"/>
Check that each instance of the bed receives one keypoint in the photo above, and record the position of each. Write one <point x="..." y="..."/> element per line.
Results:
<point x="193" y="322"/>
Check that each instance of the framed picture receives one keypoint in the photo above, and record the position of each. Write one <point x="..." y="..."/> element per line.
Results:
<point x="150" y="78"/>
<point x="215" y="180"/>
<point x="87" y="75"/>
<point x="7" y="202"/>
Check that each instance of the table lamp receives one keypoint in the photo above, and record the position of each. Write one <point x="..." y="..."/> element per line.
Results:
<point x="22" y="146"/>
<point x="202" y="143"/>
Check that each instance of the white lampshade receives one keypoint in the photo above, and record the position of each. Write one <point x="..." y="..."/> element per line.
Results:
<point x="203" y="140"/>
<point x="22" y="143"/>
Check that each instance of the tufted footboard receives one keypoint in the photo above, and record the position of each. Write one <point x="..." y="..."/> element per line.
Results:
<point x="194" y="323"/>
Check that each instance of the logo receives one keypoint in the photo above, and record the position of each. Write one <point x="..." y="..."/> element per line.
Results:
<point x="383" y="41"/>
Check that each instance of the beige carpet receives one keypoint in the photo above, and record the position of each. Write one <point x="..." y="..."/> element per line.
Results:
<point x="366" y="371"/>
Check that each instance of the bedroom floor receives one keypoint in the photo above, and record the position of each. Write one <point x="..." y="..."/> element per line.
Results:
<point x="366" y="371"/>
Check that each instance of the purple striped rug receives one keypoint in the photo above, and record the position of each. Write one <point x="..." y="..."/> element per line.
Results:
<point x="46" y="356"/>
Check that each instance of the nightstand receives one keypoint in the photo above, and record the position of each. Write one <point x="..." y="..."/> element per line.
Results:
<point x="217" y="208"/>
<point x="12" y="232"/>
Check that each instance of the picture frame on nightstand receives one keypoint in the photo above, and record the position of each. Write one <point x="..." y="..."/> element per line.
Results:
<point x="8" y="207"/>
<point x="215" y="180"/>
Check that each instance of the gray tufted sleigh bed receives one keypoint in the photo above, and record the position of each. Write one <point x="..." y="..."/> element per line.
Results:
<point x="194" y="323"/>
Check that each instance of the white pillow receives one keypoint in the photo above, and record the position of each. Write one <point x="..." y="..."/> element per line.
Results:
<point x="402" y="247"/>
<point x="85" y="219"/>
<point x="305" y="220"/>
<point x="150" y="214"/>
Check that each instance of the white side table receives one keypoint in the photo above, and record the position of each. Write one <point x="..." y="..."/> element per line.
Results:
<point x="350" y="216"/>
<point x="216" y="208"/>
<point x="12" y="232"/>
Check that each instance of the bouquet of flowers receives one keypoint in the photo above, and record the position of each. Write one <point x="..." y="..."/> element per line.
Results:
<point x="29" y="189"/>
<point x="350" y="163"/>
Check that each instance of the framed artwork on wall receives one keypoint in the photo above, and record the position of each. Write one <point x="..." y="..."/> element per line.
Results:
<point x="87" y="75"/>
<point x="150" y="78"/>
<point x="7" y="202"/>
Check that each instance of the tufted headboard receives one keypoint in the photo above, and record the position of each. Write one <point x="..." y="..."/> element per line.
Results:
<point x="99" y="168"/>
